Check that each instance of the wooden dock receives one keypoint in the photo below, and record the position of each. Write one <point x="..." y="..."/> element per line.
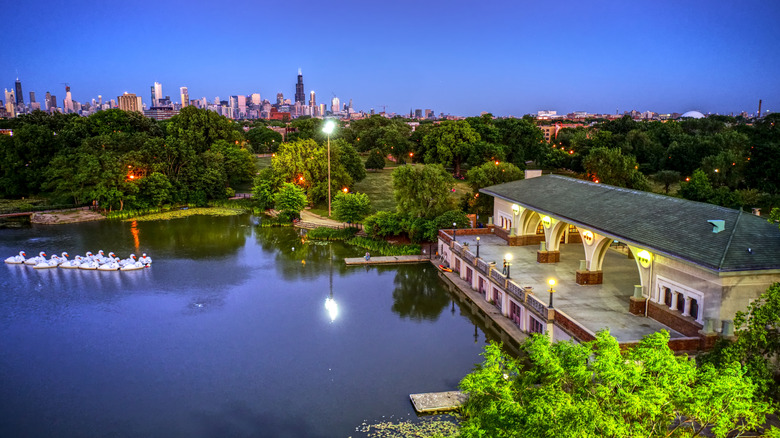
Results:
<point x="435" y="402"/>
<point x="386" y="260"/>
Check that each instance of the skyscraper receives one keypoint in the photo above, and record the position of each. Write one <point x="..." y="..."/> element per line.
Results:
<point x="185" y="96"/>
<point x="256" y="99"/>
<point x="280" y="98"/>
<point x="19" y="95"/>
<point x="300" y="96"/>
<point x="158" y="94"/>
<point x="68" y="102"/>
<point x="312" y="104"/>
<point x="32" y="96"/>
<point x="335" y="105"/>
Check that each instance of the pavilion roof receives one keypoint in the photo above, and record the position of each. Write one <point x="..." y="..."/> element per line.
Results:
<point x="663" y="224"/>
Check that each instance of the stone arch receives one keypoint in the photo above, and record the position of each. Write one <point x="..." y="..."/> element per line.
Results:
<point x="528" y="221"/>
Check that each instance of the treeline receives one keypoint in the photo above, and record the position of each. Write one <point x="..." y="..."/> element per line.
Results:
<point x="123" y="160"/>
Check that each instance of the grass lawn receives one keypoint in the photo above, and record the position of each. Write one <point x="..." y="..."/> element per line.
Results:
<point x="378" y="185"/>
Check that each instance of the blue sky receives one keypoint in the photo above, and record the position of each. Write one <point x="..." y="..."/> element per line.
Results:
<point x="456" y="57"/>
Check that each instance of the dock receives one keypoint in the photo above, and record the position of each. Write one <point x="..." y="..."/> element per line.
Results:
<point x="386" y="260"/>
<point x="436" y="402"/>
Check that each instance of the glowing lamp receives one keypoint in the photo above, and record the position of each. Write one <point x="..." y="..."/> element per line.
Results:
<point x="644" y="258"/>
<point x="588" y="236"/>
<point x="546" y="221"/>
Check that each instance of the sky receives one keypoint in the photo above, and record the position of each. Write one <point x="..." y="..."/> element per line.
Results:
<point x="454" y="57"/>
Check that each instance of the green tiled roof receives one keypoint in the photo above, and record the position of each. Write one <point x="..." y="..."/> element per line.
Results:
<point x="663" y="224"/>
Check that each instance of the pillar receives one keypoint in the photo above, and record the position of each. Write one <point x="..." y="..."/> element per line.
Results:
<point x="687" y="308"/>
<point x="595" y="246"/>
<point x="553" y="230"/>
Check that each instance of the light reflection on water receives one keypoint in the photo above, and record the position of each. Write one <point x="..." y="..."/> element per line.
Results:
<point x="226" y="335"/>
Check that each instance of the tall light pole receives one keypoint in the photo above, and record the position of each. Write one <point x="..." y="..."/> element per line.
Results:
<point x="330" y="125"/>
<point x="552" y="291"/>
<point x="477" y="246"/>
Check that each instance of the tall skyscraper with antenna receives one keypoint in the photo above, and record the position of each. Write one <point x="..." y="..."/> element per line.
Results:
<point x="300" y="96"/>
<point x="19" y="95"/>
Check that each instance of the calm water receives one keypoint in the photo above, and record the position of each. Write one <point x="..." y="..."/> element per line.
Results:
<point x="226" y="335"/>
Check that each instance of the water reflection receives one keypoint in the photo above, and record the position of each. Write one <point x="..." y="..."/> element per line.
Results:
<point x="418" y="295"/>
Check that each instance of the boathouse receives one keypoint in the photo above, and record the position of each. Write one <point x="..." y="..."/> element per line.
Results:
<point x="631" y="261"/>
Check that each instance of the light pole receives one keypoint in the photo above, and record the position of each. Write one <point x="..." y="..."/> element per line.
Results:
<point x="508" y="258"/>
<point x="330" y="125"/>
<point x="477" y="246"/>
<point x="454" y="232"/>
<point x="552" y="291"/>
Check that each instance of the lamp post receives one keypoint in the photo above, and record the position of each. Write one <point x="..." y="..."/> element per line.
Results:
<point x="477" y="246"/>
<point x="508" y="258"/>
<point x="454" y="232"/>
<point x="552" y="291"/>
<point x="330" y="125"/>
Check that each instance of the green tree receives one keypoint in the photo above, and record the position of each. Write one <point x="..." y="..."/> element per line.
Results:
<point x="375" y="160"/>
<point x="290" y="200"/>
<point x="156" y="188"/>
<point x="422" y="190"/>
<point x="610" y="166"/>
<point x="351" y="207"/>
<point x="698" y="188"/>
<point x="450" y="143"/>
<point x="263" y="140"/>
<point x="774" y="216"/>
<point x="264" y="187"/>
<point x="667" y="178"/>
<point x="305" y="163"/>
<point x="349" y="160"/>
<point x="489" y="174"/>
<point x="522" y="140"/>
<point x="593" y="389"/>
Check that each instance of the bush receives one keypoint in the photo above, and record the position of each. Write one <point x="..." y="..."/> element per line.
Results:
<point x="384" y="248"/>
<point x="325" y="233"/>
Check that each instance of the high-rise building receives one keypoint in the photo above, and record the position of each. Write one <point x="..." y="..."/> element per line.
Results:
<point x="335" y="105"/>
<point x="256" y="99"/>
<point x="68" y="102"/>
<point x="185" y="96"/>
<point x="312" y="104"/>
<point x="157" y="94"/>
<point x="130" y="102"/>
<point x="10" y="105"/>
<point x="32" y="96"/>
<point x="280" y="98"/>
<point x="19" y="95"/>
<point x="300" y="96"/>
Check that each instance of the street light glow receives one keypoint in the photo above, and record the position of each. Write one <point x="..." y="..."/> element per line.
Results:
<point x="329" y="126"/>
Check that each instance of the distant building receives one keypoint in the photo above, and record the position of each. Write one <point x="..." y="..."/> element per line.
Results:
<point x="300" y="96"/>
<point x="335" y="105"/>
<point x="19" y="95"/>
<point x="185" y="96"/>
<point x="160" y="113"/>
<point x="157" y="94"/>
<point x="280" y="98"/>
<point x="130" y="102"/>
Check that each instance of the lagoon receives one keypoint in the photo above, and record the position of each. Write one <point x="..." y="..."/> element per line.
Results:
<point x="226" y="334"/>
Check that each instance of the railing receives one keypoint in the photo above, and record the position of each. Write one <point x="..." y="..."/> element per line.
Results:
<point x="518" y="291"/>
<point x="497" y="276"/>
<point x="483" y="266"/>
<point x="536" y="305"/>
<point x="457" y="248"/>
<point x="469" y="256"/>
<point x="445" y="237"/>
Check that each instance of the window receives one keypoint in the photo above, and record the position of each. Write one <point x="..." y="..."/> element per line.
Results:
<point x="540" y="228"/>
<point x="694" y="308"/>
<point x="667" y="298"/>
<point x="535" y="326"/>
<point x="680" y="298"/>
<point x="680" y="302"/>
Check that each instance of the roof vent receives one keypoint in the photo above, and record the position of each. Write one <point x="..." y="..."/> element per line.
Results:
<point x="718" y="225"/>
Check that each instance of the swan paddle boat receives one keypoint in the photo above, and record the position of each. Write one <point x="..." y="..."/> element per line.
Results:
<point x="32" y="261"/>
<point x="17" y="259"/>
<point x="146" y="260"/>
<point x="110" y="266"/>
<point x="53" y="262"/>
<point x="89" y="264"/>
<point x="72" y="264"/>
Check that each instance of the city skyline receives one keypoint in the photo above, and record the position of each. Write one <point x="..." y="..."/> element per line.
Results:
<point x="502" y="58"/>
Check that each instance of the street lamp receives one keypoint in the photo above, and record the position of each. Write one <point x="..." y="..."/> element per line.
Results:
<point x="551" y="282"/>
<point x="508" y="258"/>
<point x="330" y="125"/>
<point x="477" y="246"/>
<point x="454" y="232"/>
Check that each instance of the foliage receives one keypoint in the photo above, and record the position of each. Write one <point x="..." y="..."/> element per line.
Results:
<point x="325" y="233"/>
<point x="351" y="207"/>
<point x="290" y="200"/>
<point x="180" y="213"/>
<point x="450" y="143"/>
<point x="350" y="160"/>
<point x="774" y="216"/>
<point x="375" y="160"/>
<point x="486" y="175"/>
<point x="610" y="166"/>
<point x="263" y="140"/>
<point x="593" y="389"/>
<point x="698" y="188"/>
<point x="264" y="187"/>
<point x="667" y="178"/>
<point x="384" y="248"/>
<point x="425" y="427"/>
<point x="757" y="343"/>
<point x="383" y="224"/>
<point x="422" y="190"/>
<point x="445" y="221"/>
<point x="305" y="163"/>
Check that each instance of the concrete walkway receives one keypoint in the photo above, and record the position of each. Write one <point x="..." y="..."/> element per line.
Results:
<point x="594" y="306"/>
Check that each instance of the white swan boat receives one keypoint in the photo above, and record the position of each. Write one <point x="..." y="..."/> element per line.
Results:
<point x="32" y="261"/>
<point x="72" y="264"/>
<point x="17" y="259"/>
<point x="53" y="262"/>
<point x="110" y="266"/>
<point x="145" y="259"/>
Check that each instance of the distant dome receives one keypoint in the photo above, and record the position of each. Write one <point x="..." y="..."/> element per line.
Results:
<point x="693" y="115"/>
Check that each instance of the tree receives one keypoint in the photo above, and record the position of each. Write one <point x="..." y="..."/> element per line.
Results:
<point x="351" y="207"/>
<point x="450" y="143"/>
<point x="610" y="166"/>
<point x="667" y="178"/>
<point x="305" y="163"/>
<point x="349" y="160"/>
<point x="156" y="188"/>
<point x="264" y="187"/>
<point x="263" y="140"/>
<point x="698" y="188"/>
<point x="774" y="216"/>
<point x="522" y="140"/>
<point x="290" y="200"/>
<point x="375" y="160"/>
<point x="565" y="389"/>
<point x="486" y="175"/>
<point x="422" y="190"/>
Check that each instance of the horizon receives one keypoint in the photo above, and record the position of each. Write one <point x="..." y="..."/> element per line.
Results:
<point x="454" y="58"/>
